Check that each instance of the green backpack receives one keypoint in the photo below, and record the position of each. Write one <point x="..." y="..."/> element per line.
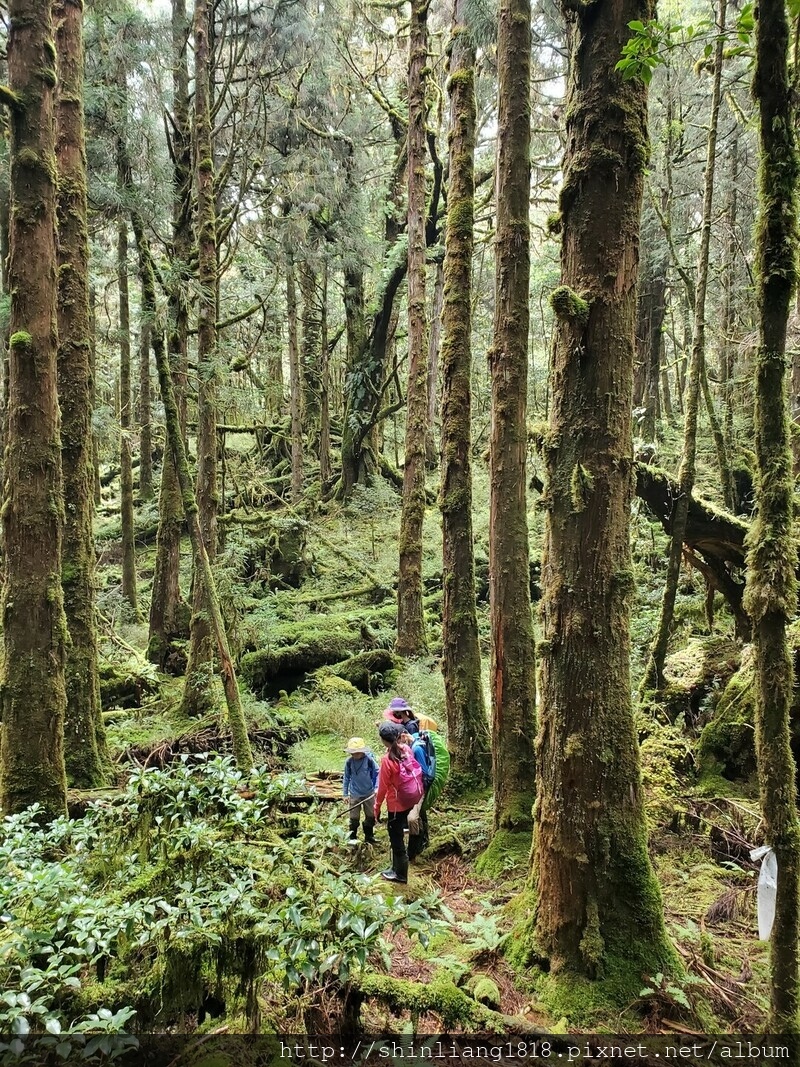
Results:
<point x="442" y="770"/>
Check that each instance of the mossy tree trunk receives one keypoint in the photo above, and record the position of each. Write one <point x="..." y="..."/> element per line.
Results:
<point x="598" y="901"/>
<point x="168" y="613"/>
<point x="85" y="748"/>
<point x="434" y="346"/>
<point x="410" y="617"/>
<point x="771" y="595"/>
<point x="34" y="626"/>
<point x="654" y="672"/>
<point x="125" y="452"/>
<point x="144" y="414"/>
<point x="512" y="682"/>
<point x="97" y="487"/>
<point x="295" y="386"/>
<point x="198" y="696"/>
<point x="324" y="382"/>
<point x="240" y="741"/>
<point x="652" y="308"/>
<point x="728" y="348"/>
<point x="364" y="385"/>
<point x="4" y="225"/>
<point x="310" y="360"/>
<point x="467" y="726"/>
<point x="723" y="462"/>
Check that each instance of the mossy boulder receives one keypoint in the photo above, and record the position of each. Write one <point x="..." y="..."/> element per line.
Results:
<point x="695" y="672"/>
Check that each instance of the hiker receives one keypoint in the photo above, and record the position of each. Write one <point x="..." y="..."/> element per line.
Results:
<point x="430" y="751"/>
<point x="358" y="788"/>
<point x="399" y="711"/>
<point x="400" y="785"/>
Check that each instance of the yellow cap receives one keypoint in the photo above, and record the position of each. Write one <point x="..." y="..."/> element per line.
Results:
<point x="356" y="744"/>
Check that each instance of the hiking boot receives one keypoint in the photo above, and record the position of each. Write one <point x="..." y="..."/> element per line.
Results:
<point x="369" y="831"/>
<point x="393" y="876"/>
<point x="353" y="832"/>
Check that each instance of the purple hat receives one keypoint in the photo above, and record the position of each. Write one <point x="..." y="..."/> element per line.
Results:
<point x="399" y="704"/>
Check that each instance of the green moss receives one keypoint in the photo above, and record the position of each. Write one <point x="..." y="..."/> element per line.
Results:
<point x="567" y="304"/>
<point x="554" y="223"/>
<point x="727" y="744"/>
<point x="592" y="945"/>
<point x="485" y="991"/>
<point x="580" y="486"/>
<point x="508" y="850"/>
<point x="20" y="339"/>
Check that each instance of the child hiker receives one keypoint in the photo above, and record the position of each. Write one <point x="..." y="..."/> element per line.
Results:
<point x="400" y="785"/>
<point x="358" y="788"/>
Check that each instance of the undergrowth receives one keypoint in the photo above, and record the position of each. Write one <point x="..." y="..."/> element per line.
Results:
<point x="188" y="888"/>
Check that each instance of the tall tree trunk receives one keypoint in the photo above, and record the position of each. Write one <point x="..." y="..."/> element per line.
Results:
<point x="324" y="383"/>
<point x="4" y="228"/>
<point x="125" y="460"/>
<point x="168" y="613"/>
<point x="97" y="487"/>
<point x="728" y="349"/>
<point x="34" y="626"/>
<point x="356" y="465"/>
<point x="725" y="472"/>
<point x="410" y="618"/>
<point x="311" y="355"/>
<point x="512" y="682"/>
<point x="434" y="340"/>
<point x="85" y="748"/>
<point x="295" y="387"/>
<point x="198" y="696"/>
<point x="771" y="595"/>
<point x="240" y="741"/>
<point x="654" y="673"/>
<point x="144" y="414"/>
<point x="653" y="309"/>
<point x="598" y="902"/>
<point x="467" y="726"/>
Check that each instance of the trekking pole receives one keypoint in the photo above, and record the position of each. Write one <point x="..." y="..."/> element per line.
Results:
<point x="354" y="807"/>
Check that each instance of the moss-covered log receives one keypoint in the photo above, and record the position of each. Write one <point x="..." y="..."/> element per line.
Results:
<point x="442" y="997"/>
<point x="125" y="686"/>
<point x="85" y="748"/>
<point x="365" y="671"/>
<point x="261" y="670"/>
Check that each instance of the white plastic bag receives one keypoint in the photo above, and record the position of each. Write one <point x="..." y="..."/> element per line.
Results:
<point x="767" y="889"/>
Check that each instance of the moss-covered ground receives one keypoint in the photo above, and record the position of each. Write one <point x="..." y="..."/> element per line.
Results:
<point x="702" y="809"/>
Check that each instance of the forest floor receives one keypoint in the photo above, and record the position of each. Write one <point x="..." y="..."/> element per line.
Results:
<point x="293" y="585"/>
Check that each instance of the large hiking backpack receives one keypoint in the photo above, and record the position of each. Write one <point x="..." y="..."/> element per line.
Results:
<point x="442" y="769"/>
<point x="410" y="787"/>
<point x="426" y="743"/>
